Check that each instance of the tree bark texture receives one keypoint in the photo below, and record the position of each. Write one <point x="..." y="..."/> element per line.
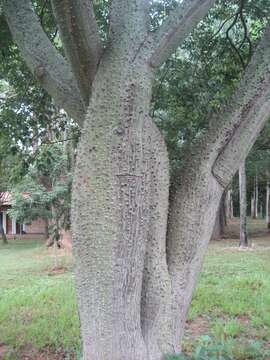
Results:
<point x="3" y="234"/>
<point x="254" y="206"/>
<point x="243" y="206"/>
<point x="267" y="205"/>
<point x="221" y="219"/>
<point x="256" y="196"/>
<point x="137" y="253"/>
<point x="229" y="204"/>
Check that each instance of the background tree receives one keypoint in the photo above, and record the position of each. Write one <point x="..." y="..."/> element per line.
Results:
<point x="243" y="206"/>
<point x="44" y="192"/>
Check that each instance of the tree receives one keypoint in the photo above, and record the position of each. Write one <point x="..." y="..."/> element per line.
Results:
<point x="136" y="271"/>
<point x="243" y="206"/>
<point x="267" y="209"/>
<point x="44" y="192"/>
<point x="2" y="230"/>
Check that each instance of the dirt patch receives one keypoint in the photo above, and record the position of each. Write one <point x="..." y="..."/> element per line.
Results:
<point x="59" y="252"/>
<point x="3" y="351"/>
<point x="243" y="320"/>
<point x="57" y="271"/>
<point x="28" y="353"/>
<point x="196" y="328"/>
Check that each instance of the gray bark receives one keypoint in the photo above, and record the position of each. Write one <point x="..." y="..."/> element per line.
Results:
<point x="221" y="219"/>
<point x="243" y="206"/>
<point x="110" y="211"/>
<point x="3" y="234"/>
<point x="156" y="290"/>
<point x="216" y="231"/>
<point x="229" y="204"/>
<point x="209" y="172"/>
<point x="176" y="28"/>
<point x="256" y="196"/>
<point x="267" y="207"/>
<point x="45" y="62"/>
<point x="254" y="199"/>
<point x="81" y="41"/>
<point x="134" y="286"/>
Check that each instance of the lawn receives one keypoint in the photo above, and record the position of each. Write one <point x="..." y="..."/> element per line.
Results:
<point x="229" y="317"/>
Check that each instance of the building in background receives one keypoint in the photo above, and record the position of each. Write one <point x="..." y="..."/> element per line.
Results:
<point x="12" y="227"/>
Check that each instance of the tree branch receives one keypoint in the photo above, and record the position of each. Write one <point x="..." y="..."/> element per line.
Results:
<point x="44" y="61"/>
<point x="247" y="115"/>
<point x="175" y="29"/>
<point x="82" y="44"/>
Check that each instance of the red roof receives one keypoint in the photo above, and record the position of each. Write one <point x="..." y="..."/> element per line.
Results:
<point x="5" y="198"/>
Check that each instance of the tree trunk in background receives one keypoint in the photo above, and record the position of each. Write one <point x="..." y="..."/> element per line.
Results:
<point x="229" y="205"/>
<point x="254" y="200"/>
<point x="216" y="231"/>
<point x="267" y="206"/>
<point x="222" y="214"/>
<point x="47" y="235"/>
<point x="256" y="196"/>
<point x="221" y="219"/>
<point x="243" y="206"/>
<point x="3" y="234"/>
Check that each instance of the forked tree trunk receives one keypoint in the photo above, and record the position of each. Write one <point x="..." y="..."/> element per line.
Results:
<point x="134" y="285"/>
<point x="243" y="206"/>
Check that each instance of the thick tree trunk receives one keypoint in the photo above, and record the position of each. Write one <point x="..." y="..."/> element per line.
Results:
<point x="243" y="206"/>
<point x="156" y="290"/>
<point x="111" y="212"/>
<point x="192" y="228"/>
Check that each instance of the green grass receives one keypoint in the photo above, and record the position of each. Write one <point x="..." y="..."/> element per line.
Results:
<point x="229" y="317"/>
<point x="37" y="306"/>
<point x="232" y="300"/>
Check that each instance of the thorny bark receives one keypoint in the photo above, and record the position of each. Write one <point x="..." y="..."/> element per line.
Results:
<point x="44" y="61"/>
<point x="134" y="283"/>
<point x="82" y="45"/>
